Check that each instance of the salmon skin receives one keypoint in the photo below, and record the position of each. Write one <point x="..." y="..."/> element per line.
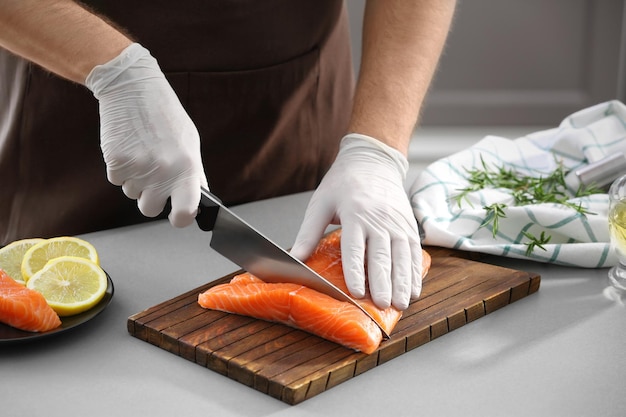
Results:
<point x="306" y="309"/>
<point x="23" y="308"/>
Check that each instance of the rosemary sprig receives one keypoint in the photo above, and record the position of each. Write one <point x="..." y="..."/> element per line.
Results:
<point x="494" y="213"/>
<point x="535" y="241"/>
<point x="525" y="190"/>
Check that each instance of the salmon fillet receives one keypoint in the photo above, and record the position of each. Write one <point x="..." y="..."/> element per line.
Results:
<point x="307" y="309"/>
<point x="23" y="308"/>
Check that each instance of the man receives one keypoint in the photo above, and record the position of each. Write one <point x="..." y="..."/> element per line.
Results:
<point x="269" y="89"/>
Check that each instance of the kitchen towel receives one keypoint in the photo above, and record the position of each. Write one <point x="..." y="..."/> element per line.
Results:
<point x="575" y="239"/>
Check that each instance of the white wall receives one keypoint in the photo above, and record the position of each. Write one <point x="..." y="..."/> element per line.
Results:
<point x="522" y="62"/>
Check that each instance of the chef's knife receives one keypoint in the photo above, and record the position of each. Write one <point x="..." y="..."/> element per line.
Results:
<point x="238" y="241"/>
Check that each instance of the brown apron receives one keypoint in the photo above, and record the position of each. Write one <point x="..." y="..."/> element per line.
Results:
<point x="268" y="84"/>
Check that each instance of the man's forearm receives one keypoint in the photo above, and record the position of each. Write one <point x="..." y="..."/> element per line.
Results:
<point x="402" y="43"/>
<point x="59" y="35"/>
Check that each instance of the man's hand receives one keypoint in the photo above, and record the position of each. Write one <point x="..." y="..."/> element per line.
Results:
<point x="150" y="145"/>
<point x="364" y="192"/>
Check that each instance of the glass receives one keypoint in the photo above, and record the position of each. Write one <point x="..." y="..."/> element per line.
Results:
<point x="617" y="230"/>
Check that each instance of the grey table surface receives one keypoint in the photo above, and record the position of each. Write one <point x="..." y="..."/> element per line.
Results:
<point x="558" y="352"/>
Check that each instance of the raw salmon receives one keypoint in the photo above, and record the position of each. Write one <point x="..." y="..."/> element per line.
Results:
<point x="24" y="308"/>
<point x="307" y="309"/>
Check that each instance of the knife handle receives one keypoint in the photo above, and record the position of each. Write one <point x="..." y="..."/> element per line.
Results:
<point x="207" y="211"/>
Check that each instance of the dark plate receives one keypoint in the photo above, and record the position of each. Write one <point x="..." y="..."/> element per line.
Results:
<point x="10" y="334"/>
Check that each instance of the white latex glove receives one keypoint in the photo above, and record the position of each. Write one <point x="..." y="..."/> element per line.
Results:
<point x="150" y="145"/>
<point x="364" y="192"/>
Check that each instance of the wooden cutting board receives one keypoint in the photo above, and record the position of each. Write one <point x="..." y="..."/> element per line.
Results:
<point x="292" y="365"/>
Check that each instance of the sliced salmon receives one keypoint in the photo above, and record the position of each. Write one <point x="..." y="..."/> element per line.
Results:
<point x="307" y="309"/>
<point x="23" y="308"/>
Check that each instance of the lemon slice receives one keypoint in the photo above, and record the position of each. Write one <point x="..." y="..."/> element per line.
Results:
<point x="70" y="284"/>
<point x="12" y="254"/>
<point x="38" y="255"/>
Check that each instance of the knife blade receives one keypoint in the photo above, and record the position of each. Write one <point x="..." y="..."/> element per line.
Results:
<point x="244" y="245"/>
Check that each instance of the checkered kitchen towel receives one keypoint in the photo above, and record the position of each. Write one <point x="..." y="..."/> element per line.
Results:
<point x="575" y="239"/>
